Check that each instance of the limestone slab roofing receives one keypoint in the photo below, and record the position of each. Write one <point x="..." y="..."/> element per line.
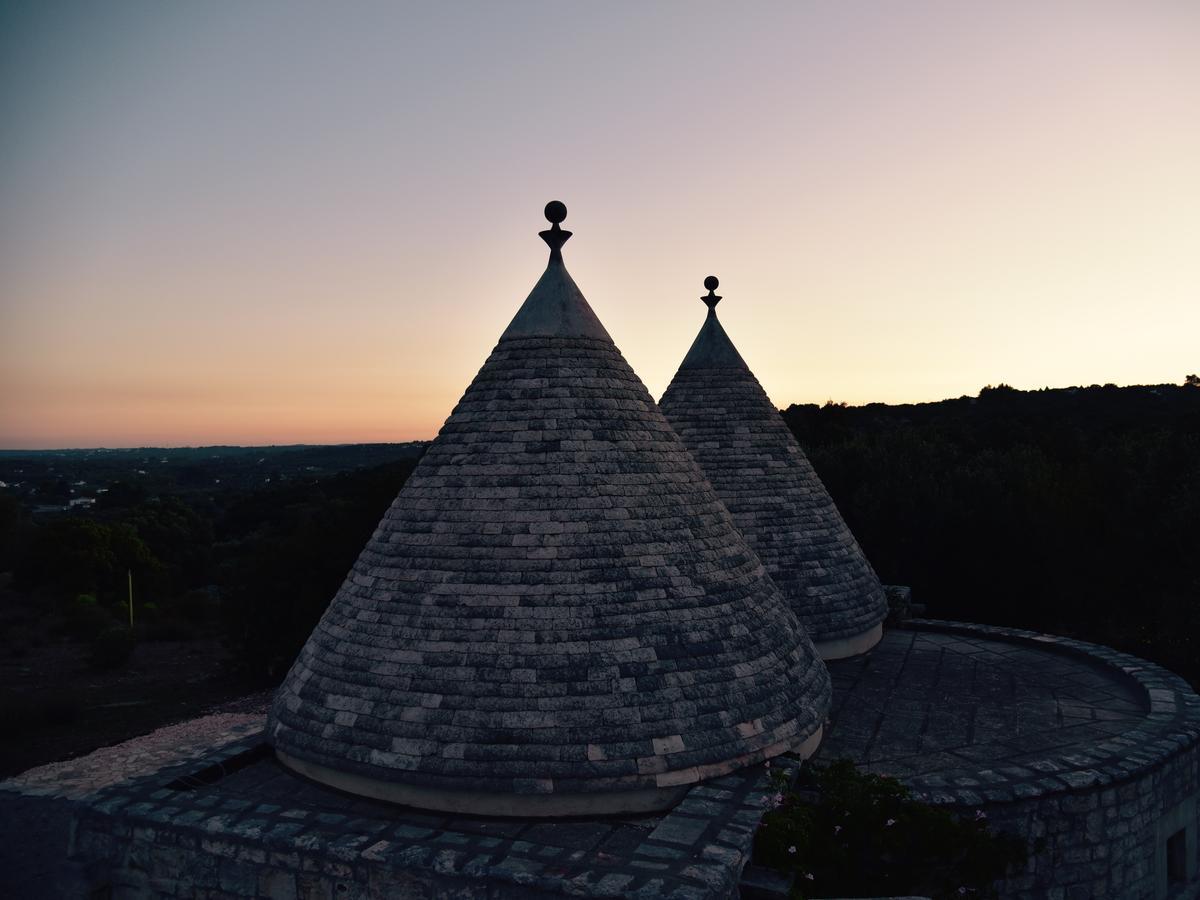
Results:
<point x="556" y="616"/>
<point x="726" y="419"/>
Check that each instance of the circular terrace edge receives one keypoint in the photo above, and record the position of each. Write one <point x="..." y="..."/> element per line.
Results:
<point x="1171" y="726"/>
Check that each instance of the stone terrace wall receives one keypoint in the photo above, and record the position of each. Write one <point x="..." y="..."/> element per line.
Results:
<point x="235" y="829"/>
<point x="1103" y="841"/>
<point x="1102" y="819"/>
<point x="38" y="807"/>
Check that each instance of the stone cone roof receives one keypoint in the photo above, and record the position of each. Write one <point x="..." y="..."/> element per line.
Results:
<point x="555" y="607"/>
<point x="778" y="502"/>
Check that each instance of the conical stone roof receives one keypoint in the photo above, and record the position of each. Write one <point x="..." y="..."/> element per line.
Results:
<point x="750" y="456"/>
<point x="556" y="616"/>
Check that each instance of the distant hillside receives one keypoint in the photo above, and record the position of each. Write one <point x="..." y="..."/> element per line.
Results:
<point x="1073" y="510"/>
<point x="57" y="476"/>
<point x="1076" y="510"/>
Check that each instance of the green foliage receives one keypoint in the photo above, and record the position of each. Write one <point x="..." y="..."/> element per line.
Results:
<point x="1071" y="511"/>
<point x="15" y="528"/>
<point x="179" y="537"/>
<point x="169" y="630"/>
<point x="290" y="549"/>
<point x="195" y="607"/>
<point x="260" y="561"/>
<point x="850" y="834"/>
<point x="85" y="619"/>
<point x="111" y="648"/>
<point x="19" y="639"/>
<point x="23" y="715"/>
<point x="122" y="495"/>
<point x="77" y="555"/>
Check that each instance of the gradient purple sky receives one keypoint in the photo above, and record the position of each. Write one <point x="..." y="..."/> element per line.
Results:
<point x="280" y="222"/>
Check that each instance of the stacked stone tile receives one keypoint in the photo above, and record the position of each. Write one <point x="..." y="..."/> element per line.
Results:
<point x="725" y="418"/>
<point x="556" y="616"/>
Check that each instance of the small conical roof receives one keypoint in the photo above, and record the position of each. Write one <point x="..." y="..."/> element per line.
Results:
<point x="556" y="615"/>
<point x="750" y="456"/>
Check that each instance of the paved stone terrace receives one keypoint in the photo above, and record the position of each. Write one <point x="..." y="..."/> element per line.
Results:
<point x="969" y="714"/>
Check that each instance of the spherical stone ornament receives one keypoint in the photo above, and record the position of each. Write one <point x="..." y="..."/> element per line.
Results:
<point x="710" y="283"/>
<point x="556" y="211"/>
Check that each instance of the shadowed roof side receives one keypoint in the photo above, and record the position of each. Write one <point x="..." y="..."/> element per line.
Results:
<point x="777" y="500"/>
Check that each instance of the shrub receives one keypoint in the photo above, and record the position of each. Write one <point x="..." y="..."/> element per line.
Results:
<point x="112" y="648"/>
<point x="850" y="834"/>
<point x="171" y="630"/>
<point x="197" y="607"/>
<point x="22" y="715"/>
<point x="19" y="638"/>
<point x="85" y="619"/>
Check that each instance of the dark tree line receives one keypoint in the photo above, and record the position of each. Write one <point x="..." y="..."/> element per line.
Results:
<point x="254" y="567"/>
<point x="1075" y="511"/>
<point x="284" y="554"/>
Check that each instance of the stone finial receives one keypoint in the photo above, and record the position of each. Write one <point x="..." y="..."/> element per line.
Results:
<point x="712" y="299"/>
<point x="555" y="237"/>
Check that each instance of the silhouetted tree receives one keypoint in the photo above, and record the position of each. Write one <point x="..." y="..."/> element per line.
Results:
<point x="1068" y="510"/>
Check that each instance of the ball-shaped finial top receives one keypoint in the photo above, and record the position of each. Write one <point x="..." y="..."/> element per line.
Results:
<point x="712" y="298"/>
<point x="556" y="211"/>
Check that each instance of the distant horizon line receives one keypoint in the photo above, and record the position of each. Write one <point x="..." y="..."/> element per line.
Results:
<point x="365" y="443"/>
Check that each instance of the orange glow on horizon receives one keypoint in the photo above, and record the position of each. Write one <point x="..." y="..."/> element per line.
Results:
<point x="320" y="238"/>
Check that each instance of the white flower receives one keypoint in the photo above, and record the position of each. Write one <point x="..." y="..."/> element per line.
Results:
<point x="792" y="849"/>
<point x="891" y="822"/>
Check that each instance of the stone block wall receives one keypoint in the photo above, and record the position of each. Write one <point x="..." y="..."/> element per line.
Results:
<point x="1106" y="834"/>
<point x="253" y="830"/>
<point x="1104" y="841"/>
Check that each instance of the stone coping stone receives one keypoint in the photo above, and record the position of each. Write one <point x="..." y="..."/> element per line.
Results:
<point x="1170" y="726"/>
<point x="238" y="802"/>
<point x="39" y="807"/>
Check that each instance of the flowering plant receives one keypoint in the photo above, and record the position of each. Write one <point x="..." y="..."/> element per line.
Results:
<point x="846" y="833"/>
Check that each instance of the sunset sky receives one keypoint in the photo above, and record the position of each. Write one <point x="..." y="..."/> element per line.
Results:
<point x="282" y="222"/>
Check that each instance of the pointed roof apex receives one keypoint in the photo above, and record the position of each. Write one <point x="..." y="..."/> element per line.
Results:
<point x="712" y="347"/>
<point x="555" y="307"/>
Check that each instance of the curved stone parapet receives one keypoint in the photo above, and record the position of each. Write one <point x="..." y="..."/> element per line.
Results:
<point x="1091" y="754"/>
<point x="1170" y="726"/>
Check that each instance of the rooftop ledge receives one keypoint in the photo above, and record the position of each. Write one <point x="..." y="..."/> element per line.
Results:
<point x="1050" y="714"/>
<point x="211" y="792"/>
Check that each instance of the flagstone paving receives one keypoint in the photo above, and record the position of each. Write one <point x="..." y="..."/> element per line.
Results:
<point x="965" y="715"/>
<point x="970" y="718"/>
